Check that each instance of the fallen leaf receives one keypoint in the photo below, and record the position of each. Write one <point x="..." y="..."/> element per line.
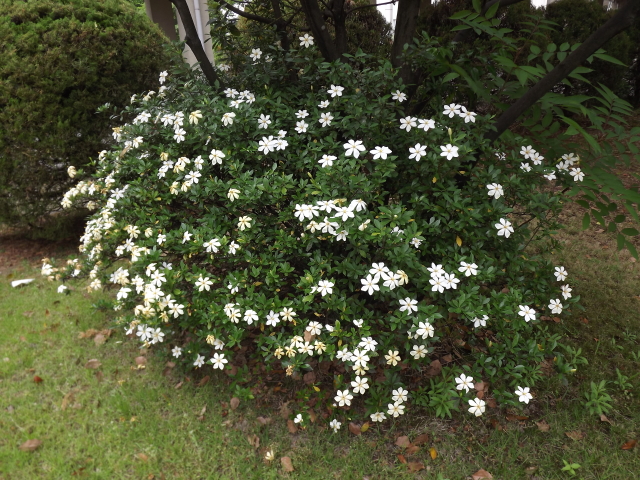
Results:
<point x="291" y="426"/>
<point x="497" y="425"/>
<point x="142" y="456"/>
<point x="264" y="421"/>
<point x="46" y="312"/>
<point x="420" y="439"/>
<point x="603" y="418"/>
<point x="355" y="429"/>
<point x="204" y="381"/>
<point x="67" y="400"/>
<point x="30" y="445"/>
<point x="412" y="450"/>
<point x="415" y="466"/>
<point x="543" y="426"/>
<point x="308" y="337"/>
<point x="285" y="412"/>
<point x="629" y="445"/>
<point x="286" y="464"/>
<point x="435" y="368"/>
<point x="403" y="441"/>
<point x="141" y="360"/>
<point x="99" y="339"/>
<point x="447" y="359"/>
<point x="575" y="435"/>
<point x="37" y="379"/>
<point x="401" y="458"/>
<point x="93" y="364"/>
<point x="254" y="440"/>
<point x="364" y="427"/>
<point x="515" y="418"/>
<point x="480" y="474"/>
<point x="433" y="453"/>
<point x="309" y="378"/>
<point x="178" y="385"/>
<point x="234" y="403"/>
<point x="491" y="402"/>
<point x="530" y="470"/>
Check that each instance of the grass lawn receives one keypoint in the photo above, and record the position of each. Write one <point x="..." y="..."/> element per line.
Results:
<point x="133" y="416"/>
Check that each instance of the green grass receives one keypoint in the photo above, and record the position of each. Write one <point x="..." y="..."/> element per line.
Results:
<point x="123" y="422"/>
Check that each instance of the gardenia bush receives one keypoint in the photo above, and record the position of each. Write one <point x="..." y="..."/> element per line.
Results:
<point x="317" y="225"/>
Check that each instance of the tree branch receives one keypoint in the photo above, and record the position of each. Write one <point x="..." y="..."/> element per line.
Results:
<point x="194" y="43"/>
<point x="319" y="29"/>
<point x="247" y="15"/>
<point x="371" y="5"/>
<point x="339" y="19"/>
<point x="405" y="30"/>
<point x="622" y="20"/>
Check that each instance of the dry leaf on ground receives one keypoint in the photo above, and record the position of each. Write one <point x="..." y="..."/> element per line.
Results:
<point x="204" y="381"/>
<point x="575" y="435"/>
<point x="415" y="466"/>
<point x="142" y="456"/>
<point x="141" y="360"/>
<point x="543" y="426"/>
<point x="93" y="364"/>
<point x="286" y="464"/>
<point x="99" y="339"/>
<point x="401" y="458"/>
<point x="433" y="453"/>
<point x="355" y="429"/>
<point x="254" y="440"/>
<point x="629" y="445"/>
<point x="420" y="439"/>
<point x="481" y="474"/>
<point x="365" y="426"/>
<point x="37" y="379"/>
<point x="30" y="445"/>
<point x="264" y="421"/>
<point x="292" y="427"/>
<point x="412" y="450"/>
<point x="234" y="403"/>
<point x="403" y="441"/>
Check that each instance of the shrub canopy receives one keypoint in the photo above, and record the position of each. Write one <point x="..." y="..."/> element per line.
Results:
<point x="61" y="60"/>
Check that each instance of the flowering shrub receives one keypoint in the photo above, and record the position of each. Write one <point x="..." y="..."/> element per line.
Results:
<point x="317" y="225"/>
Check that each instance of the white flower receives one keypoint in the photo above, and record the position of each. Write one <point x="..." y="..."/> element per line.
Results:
<point x="176" y="352"/>
<point x="426" y="124"/>
<point x="230" y="92"/>
<point x="269" y="456"/>
<point x="468" y="269"/>
<point x="480" y="322"/>
<point x="393" y="358"/>
<point x="244" y="223"/>
<point x="566" y="291"/>
<point x="525" y="167"/>
<point x="451" y="110"/>
<point x="438" y="284"/>
<point x="343" y="397"/>
<point x="378" y="417"/>
<point x="436" y="270"/>
<point x="195" y="116"/>
<point x="264" y="121"/>
<point x="495" y="190"/>
<point x="186" y="237"/>
<point x="335" y="425"/>
<point x="163" y="77"/>
<point x="537" y="159"/>
<point x="359" y="357"/>
<point x="399" y="395"/>
<point x="325" y="287"/>
<point x="266" y="145"/>
<point x="233" y="194"/>
<point x="450" y="280"/>
<point x="345" y="213"/>
<point x="504" y="228"/>
<point x="327" y="160"/>
<point x="368" y="344"/>
<point x="301" y="126"/>
<point x="561" y="274"/>
<point x="122" y="293"/>
<point x="324" y="104"/>
<point x="71" y="171"/>
<point x="464" y="382"/>
<point x="398" y="95"/>
<point x="212" y="245"/>
<point x="555" y="306"/>
<point x="527" y="312"/>
<point x="306" y="41"/>
<point x="360" y="385"/>
<point x="407" y="122"/>
<point x="178" y="135"/>
<point x="550" y="176"/>
<point x="395" y="409"/>
<point x="380" y="152"/>
<point x="409" y="305"/>
<point x="419" y="351"/>
<point x="477" y="406"/>
<point x="325" y="119"/>
<point x="358" y="323"/>
<point x="302" y="114"/>
<point x="370" y="284"/>
<point x="62" y="288"/>
<point x="449" y="151"/>
<point x="523" y="394"/>
<point x="203" y="284"/>
<point x="227" y="118"/>
<point x="467" y="115"/>
<point x="425" y="329"/>
<point x="342" y="236"/>
<point x="335" y="91"/>
<point x="218" y="361"/>
<point x="199" y="361"/>
<point x="416" y="242"/>
<point x="256" y="53"/>
<point x="527" y="152"/>
<point x="273" y="318"/>
<point x="314" y="328"/>
<point x="298" y="418"/>
<point x="250" y="316"/>
<point x="417" y="152"/>
<point x="353" y="147"/>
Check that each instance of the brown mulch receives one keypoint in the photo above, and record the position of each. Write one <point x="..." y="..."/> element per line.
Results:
<point x="16" y="250"/>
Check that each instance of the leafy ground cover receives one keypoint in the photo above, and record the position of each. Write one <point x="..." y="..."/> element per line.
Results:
<point x="103" y="408"/>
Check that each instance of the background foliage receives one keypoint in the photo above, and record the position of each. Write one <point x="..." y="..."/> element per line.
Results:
<point x="61" y="60"/>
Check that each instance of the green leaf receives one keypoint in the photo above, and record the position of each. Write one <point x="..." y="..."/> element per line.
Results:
<point x="535" y="49"/>
<point x="459" y="15"/>
<point x="586" y="221"/>
<point x="477" y="5"/>
<point x="609" y="58"/>
<point x="551" y="47"/>
<point x="492" y="10"/>
<point x="621" y="241"/>
<point x="564" y="47"/>
<point x="450" y="76"/>
<point x="631" y="232"/>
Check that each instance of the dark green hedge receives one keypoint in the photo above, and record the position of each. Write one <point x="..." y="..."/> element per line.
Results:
<point x="61" y="60"/>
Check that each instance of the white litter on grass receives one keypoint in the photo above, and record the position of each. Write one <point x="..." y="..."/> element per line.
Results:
<point x="17" y="283"/>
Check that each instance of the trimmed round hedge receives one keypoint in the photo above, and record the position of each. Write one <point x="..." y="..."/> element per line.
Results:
<point x="61" y="60"/>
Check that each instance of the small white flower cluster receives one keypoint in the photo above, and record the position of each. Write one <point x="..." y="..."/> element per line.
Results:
<point x="477" y="406"/>
<point x="441" y="280"/>
<point x="379" y="271"/>
<point x="344" y="213"/>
